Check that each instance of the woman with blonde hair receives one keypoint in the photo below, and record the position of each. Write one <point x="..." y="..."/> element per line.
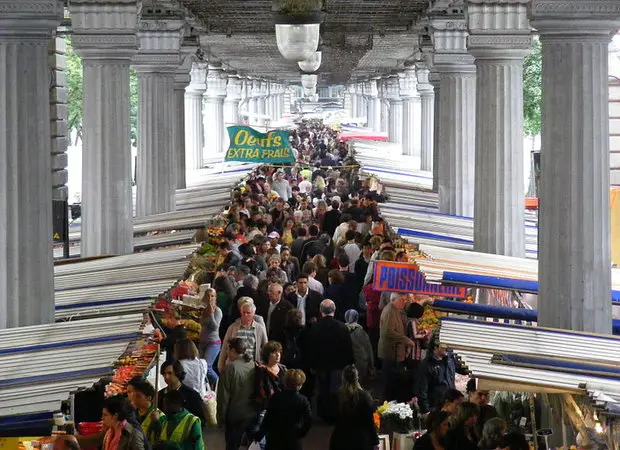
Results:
<point x="322" y="269"/>
<point x="355" y="428"/>
<point x="195" y="368"/>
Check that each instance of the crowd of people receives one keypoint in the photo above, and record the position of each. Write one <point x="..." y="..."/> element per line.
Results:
<point x="292" y="327"/>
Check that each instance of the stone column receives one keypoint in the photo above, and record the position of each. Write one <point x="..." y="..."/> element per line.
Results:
<point x="362" y="104"/>
<point x="194" y="132"/>
<point x="371" y="93"/>
<point x="427" y="113"/>
<point x="156" y="64"/>
<point x="353" y="100"/>
<point x="499" y="39"/>
<point x="261" y="104"/>
<point x="395" y="122"/>
<point x="408" y="93"/>
<point x="232" y="100"/>
<point x="182" y="79"/>
<point x="214" y="109"/>
<point x="385" y="105"/>
<point x="457" y="116"/>
<point x="26" y="27"/>
<point x="253" y="103"/>
<point x="57" y="50"/>
<point x="574" y="232"/>
<point x="107" y="209"/>
<point x="435" y="82"/>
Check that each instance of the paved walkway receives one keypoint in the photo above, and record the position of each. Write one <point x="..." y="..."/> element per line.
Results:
<point x="318" y="438"/>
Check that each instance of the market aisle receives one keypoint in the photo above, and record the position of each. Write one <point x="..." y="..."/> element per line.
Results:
<point x="318" y="438"/>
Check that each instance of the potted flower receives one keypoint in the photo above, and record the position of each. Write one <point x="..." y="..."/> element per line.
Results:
<point x="394" y="418"/>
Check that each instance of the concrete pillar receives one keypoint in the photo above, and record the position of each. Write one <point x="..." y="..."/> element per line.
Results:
<point x="352" y="100"/>
<point x="156" y="63"/>
<point x="286" y="99"/>
<point x="26" y="28"/>
<point x="232" y="100"/>
<point x="499" y="39"/>
<point x="407" y="83"/>
<point x="214" y="110"/>
<point x="457" y="74"/>
<point x="194" y="132"/>
<point x="57" y="49"/>
<point x="371" y="93"/>
<point x="253" y="104"/>
<point x="434" y="80"/>
<point x="362" y="104"/>
<point x="427" y="116"/>
<point x="107" y="209"/>
<point x="182" y="79"/>
<point x="574" y="232"/>
<point x="385" y="105"/>
<point x="395" y="122"/>
<point x="261" y="105"/>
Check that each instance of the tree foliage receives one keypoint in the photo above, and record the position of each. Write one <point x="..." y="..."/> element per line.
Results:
<point x="76" y="94"/>
<point x="532" y="91"/>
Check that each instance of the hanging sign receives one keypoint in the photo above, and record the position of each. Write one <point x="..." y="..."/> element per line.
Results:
<point x="402" y="277"/>
<point x="249" y="145"/>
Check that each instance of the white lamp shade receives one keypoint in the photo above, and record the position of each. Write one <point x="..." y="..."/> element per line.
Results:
<point x="311" y="64"/>
<point x="309" y="81"/>
<point x="309" y="92"/>
<point x="297" y="42"/>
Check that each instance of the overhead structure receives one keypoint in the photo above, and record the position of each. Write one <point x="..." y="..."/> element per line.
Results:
<point x="311" y="64"/>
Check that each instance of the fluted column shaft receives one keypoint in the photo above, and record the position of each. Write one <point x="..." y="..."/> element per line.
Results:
<point x="217" y="83"/>
<point x="395" y="131"/>
<point x="436" y="117"/>
<point x="457" y="141"/>
<point x="574" y="234"/>
<point x="179" y="135"/>
<point x="107" y="208"/>
<point x="25" y="164"/>
<point x="427" y="116"/>
<point x="194" y="132"/>
<point x="156" y="111"/>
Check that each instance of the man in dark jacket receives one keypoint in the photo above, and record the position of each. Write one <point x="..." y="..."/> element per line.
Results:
<point x="274" y="311"/>
<point x="330" y="350"/>
<point x="436" y="375"/>
<point x="298" y="244"/>
<point x="332" y="218"/>
<point x="307" y="300"/>
<point x="174" y="375"/>
<point x="312" y="246"/>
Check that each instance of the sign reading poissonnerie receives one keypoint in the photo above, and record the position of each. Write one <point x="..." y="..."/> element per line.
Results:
<point x="402" y="277"/>
<point x="249" y="145"/>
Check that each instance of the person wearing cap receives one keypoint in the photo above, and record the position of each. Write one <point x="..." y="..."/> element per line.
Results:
<point x="362" y="348"/>
<point x="281" y="186"/>
<point x="274" y="238"/>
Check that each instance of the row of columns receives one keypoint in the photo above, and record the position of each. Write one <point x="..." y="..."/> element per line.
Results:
<point x="216" y="99"/>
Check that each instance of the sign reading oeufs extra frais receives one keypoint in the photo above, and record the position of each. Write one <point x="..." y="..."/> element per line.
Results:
<point x="249" y="145"/>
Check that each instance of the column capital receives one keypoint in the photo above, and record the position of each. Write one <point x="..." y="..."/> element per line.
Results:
<point x="392" y="88"/>
<point x="408" y="82"/>
<point x="160" y="44"/>
<point x="575" y="18"/>
<point x="104" y="30"/>
<point x="449" y="38"/>
<point x="423" y="73"/>
<point x="370" y="88"/>
<point x="216" y="81"/>
<point x="498" y="29"/>
<point x="33" y="20"/>
<point x="182" y="76"/>
<point x="198" y="78"/>
<point x="234" y="87"/>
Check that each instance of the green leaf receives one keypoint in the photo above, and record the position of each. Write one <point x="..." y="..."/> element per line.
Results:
<point x="532" y="91"/>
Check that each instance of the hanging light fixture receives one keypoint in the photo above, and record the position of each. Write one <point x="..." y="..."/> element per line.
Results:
<point x="298" y="24"/>
<point x="309" y="92"/>
<point x="309" y="81"/>
<point x="311" y="64"/>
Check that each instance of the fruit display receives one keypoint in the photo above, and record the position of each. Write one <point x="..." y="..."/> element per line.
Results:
<point x="430" y="319"/>
<point x="137" y="360"/>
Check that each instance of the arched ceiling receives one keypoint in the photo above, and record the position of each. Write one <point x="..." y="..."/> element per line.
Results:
<point x="358" y="37"/>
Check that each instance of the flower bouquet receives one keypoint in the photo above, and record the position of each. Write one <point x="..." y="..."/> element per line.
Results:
<point x="394" y="417"/>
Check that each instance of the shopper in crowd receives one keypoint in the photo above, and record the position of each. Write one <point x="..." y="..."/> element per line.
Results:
<point x="451" y="401"/>
<point x="306" y="300"/>
<point x="462" y="434"/>
<point x="174" y="375"/>
<point x="337" y="291"/>
<point x="492" y="433"/>
<point x="322" y="272"/>
<point x="225" y="289"/>
<point x="248" y="329"/>
<point x="435" y="438"/>
<point x="514" y="440"/>
<point x="274" y="310"/>
<point x="178" y="429"/>
<point x="298" y="244"/>
<point x="332" y="218"/>
<point x="480" y="397"/>
<point x="329" y="351"/>
<point x="235" y="408"/>
<point x="287" y="264"/>
<point x="195" y="368"/>
<point x="141" y="395"/>
<point x="362" y="348"/>
<point x="210" y="343"/>
<point x="436" y="375"/>
<point x="176" y="334"/>
<point x="354" y="428"/>
<point x="226" y="256"/>
<point x="351" y="249"/>
<point x="288" y="417"/>
<point x="310" y="269"/>
<point x="393" y="345"/>
<point x="122" y="431"/>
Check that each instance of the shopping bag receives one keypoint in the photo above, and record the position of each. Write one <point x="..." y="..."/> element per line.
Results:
<point x="209" y="406"/>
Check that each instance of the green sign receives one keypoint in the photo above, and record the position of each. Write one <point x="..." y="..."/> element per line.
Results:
<point x="249" y="145"/>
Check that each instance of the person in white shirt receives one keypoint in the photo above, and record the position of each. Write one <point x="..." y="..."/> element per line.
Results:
<point x="195" y="368"/>
<point x="281" y="186"/>
<point x="305" y="187"/>
<point x="352" y="250"/>
<point x="310" y="269"/>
